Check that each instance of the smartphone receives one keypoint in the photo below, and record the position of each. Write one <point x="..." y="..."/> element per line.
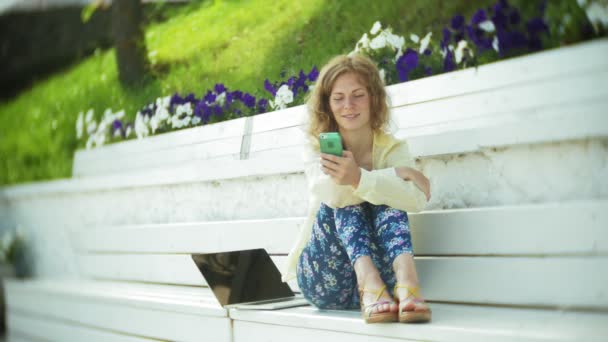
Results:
<point x="331" y="143"/>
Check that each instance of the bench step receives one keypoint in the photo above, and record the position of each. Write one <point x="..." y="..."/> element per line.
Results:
<point x="150" y="311"/>
<point x="450" y="322"/>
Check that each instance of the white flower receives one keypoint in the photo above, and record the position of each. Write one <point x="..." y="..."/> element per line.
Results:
<point x="79" y="125"/>
<point x="581" y="3"/>
<point x="185" y="109"/>
<point x="154" y="123"/>
<point x="378" y="43"/>
<point x="163" y="102"/>
<point x="141" y="126"/>
<point x="459" y="53"/>
<point x="129" y="131"/>
<point x="89" y="116"/>
<point x="399" y="54"/>
<point x="495" y="43"/>
<point x="377" y="26"/>
<point x="117" y="133"/>
<point x="382" y="75"/>
<point x="220" y="99"/>
<point x="196" y="120"/>
<point x="91" y="127"/>
<point x="161" y="114"/>
<point x="414" y="38"/>
<point x="425" y="42"/>
<point x="283" y="97"/>
<point x="597" y="14"/>
<point x="362" y="44"/>
<point x="395" y="41"/>
<point x="487" y="26"/>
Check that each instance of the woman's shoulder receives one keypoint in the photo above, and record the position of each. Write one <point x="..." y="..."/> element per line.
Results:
<point x="387" y="140"/>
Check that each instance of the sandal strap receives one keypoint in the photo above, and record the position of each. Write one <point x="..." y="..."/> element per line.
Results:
<point x="413" y="291"/>
<point x="377" y="292"/>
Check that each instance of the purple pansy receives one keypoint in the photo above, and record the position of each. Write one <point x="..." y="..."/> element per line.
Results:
<point x="249" y="100"/>
<point x="314" y="74"/>
<point x="448" y="62"/>
<point x="262" y="106"/>
<point x="457" y="22"/>
<point x="219" y="88"/>
<point x="270" y="87"/>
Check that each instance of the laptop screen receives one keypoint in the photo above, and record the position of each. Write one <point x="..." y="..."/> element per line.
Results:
<point x="242" y="276"/>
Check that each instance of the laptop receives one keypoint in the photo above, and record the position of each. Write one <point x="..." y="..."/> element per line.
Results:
<point x="246" y="279"/>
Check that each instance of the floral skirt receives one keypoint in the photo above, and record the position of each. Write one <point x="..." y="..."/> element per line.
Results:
<point x="339" y="236"/>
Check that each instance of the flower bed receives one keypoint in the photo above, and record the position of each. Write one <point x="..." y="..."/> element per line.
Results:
<point x="492" y="33"/>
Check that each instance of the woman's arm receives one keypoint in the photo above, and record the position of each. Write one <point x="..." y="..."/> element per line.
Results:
<point x="409" y="174"/>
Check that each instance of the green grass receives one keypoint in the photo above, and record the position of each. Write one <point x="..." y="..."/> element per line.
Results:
<point x="238" y="43"/>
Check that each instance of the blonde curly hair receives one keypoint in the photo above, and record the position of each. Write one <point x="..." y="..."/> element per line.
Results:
<point x="321" y="118"/>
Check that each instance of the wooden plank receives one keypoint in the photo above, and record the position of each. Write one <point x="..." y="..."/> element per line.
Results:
<point x="181" y="299"/>
<point x="176" y="269"/>
<point x="530" y="281"/>
<point x="575" y="121"/>
<point x="450" y="323"/>
<point x="551" y="64"/>
<point x="43" y="328"/>
<point x="278" y="139"/>
<point x="493" y="103"/>
<point x="129" y="318"/>
<point x="478" y="231"/>
<point x="209" y="133"/>
<point x="208" y="237"/>
<point x="199" y="171"/>
<point x="290" y="117"/>
<point x="218" y="149"/>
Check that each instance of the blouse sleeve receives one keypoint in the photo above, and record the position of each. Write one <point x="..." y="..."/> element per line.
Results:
<point x="384" y="186"/>
<point x="323" y="187"/>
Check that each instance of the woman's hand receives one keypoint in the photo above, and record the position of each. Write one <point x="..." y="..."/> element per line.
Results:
<point x="409" y="174"/>
<point x="343" y="170"/>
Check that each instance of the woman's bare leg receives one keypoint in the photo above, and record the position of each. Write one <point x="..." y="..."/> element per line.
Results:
<point x="405" y="273"/>
<point x="369" y="278"/>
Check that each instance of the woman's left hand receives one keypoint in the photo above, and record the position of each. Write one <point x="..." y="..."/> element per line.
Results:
<point x="343" y="170"/>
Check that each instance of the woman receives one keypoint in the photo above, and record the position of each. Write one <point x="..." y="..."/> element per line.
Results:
<point x="357" y="239"/>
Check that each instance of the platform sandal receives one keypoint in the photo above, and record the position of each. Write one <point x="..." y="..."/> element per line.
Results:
<point x="367" y="311"/>
<point x="412" y="316"/>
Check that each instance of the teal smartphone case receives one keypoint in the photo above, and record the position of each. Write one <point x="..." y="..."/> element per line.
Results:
<point x="331" y="143"/>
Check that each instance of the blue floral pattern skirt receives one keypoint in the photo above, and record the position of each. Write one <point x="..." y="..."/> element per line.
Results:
<point x="339" y="236"/>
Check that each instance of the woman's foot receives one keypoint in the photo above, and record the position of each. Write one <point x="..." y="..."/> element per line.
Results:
<point x="376" y="304"/>
<point x="412" y="307"/>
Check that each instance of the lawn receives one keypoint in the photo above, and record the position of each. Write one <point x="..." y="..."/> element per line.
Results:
<point x="237" y="43"/>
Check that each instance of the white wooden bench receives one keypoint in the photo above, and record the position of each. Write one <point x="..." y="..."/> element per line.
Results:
<point x="512" y="247"/>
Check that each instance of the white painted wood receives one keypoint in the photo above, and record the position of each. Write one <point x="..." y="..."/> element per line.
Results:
<point x="505" y="101"/>
<point x="204" y="171"/>
<point x="218" y="149"/>
<point x="555" y="63"/>
<point x="536" y="281"/>
<point x="208" y="133"/>
<point x="449" y="323"/>
<point x="289" y="117"/>
<point x="574" y="121"/>
<point x="569" y="228"/>
<point x="175" y="269"/>
<point x="43" y="328"/>
<point x="278" y="139"/>
<point x="181" y="299"/>
<point x="126" y="317"/>
<point x="193" y="237"/>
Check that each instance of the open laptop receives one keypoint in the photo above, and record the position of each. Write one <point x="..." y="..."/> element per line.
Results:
<point x="246" y="279"/>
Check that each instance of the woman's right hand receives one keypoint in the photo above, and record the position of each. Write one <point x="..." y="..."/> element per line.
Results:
<point x="409" y="174"/>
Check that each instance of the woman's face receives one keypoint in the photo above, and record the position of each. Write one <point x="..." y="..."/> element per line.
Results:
<point x="350" y="103"/>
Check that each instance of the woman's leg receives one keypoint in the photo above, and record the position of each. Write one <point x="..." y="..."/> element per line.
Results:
<point x="354" y="228"/>
<point x="325" y="274"/>
<point x="391" y="228"/>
